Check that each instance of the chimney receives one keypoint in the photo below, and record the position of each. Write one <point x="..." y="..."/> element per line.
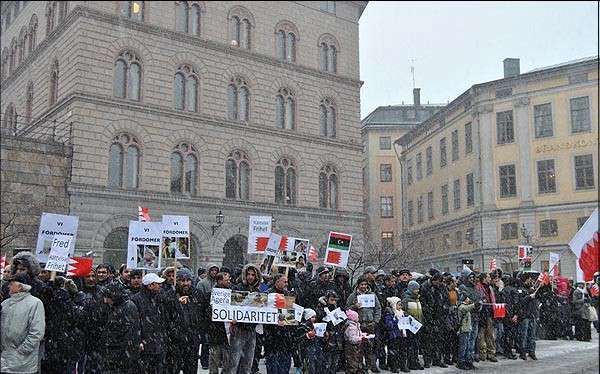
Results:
<point x="511" y="67"/>
<point x="416" y="96"/>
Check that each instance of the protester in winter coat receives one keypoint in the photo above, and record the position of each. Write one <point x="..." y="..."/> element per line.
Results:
<point x="333" y="342"/>
<point x="26" y="262"/>
<point x="526" y="318"/>
<point x="468" y="289"/>
<point x="369" y="317"/>
<point x="354" y="338"/>
<point x="318" y="288"/>
<point x="581" y="303"/>
<point x="412" y="306"/>
<point x="342" y="286"/>
<point x="486" y="334"/>
<point x="404" y="276"/>
<point x="310" y="345"/>
<point x="450" y="348"/>
<point x="119" y="341"/>
<point x="395" y="338"/>
<point x="243" y="335"/>
<point x="434" y="300"/>
<point x="187" y="326"/>
<point x="387" y="290"/>
<point x="152" y="324"/>
<point x="510" y="328"/>
<point x="23" y="325"/>
<point x="218" y="338"/>
<point x="465" y="308"/>
<point x="206" y="285"/>
<point x="104" y="274"/>
<point x="135" y="281"/>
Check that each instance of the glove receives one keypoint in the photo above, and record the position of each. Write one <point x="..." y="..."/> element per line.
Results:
<point x="322" y="300"/>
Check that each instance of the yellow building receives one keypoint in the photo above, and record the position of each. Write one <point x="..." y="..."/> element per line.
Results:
<point x="381" y="168"/>
<point x="509" y="161"/>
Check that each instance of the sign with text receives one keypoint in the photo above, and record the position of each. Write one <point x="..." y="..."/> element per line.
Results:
<point x="55" y="224"/>
<point x="143" y="245"/>
<point x="553" y="264"/>
<point x="273" y="245"/>
<point x="338" y="249"/>
<point x="259" y="231"/>
<point x="524" y="253"/>
<point x="367" y="300"/>
<point x="175" y="241"/>
<point x="253" y="307"/>
<point x="220" y="296"/>
<point x="59" y="253"/>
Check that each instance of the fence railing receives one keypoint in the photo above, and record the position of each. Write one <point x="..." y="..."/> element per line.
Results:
<point x="54" y="131"/>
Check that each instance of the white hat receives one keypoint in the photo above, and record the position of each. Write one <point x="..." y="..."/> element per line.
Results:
<point x="309" y="313"/>
<point x="151" y="278"/>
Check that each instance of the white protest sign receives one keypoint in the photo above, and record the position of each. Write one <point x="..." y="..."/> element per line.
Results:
<point x="340" y="314"/>
<point x="320" y="329"/>
<point x="175" y="241"/>
<point x="55" y="224"/>
<point x="259" y="230"/>
<point x="273" y="245"/>
<point x="143" y="245"/>
<point x="367" y="300"/>
<point x="220" y="296"/>
<point x="414" y="325"/>
<point x="404" y="323"/>
<point x="553" y="264"/>
<point x="59" y="253"/>
<point x="245" y="314"/>
<point x="298" y="311"/>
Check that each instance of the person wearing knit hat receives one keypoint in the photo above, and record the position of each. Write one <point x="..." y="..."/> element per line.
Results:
<point x="395" y="339"/>
<point x="412" y="306"/>
<point x="310" y="345"/>
<point x="308" y="314"/>
<point x="353" y="350"/>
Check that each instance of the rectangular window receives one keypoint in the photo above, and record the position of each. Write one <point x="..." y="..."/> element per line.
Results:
<point x="410" y="213"/>
<point x="387" y="206"/>
<point x="548" y="228"/>
<point x="420" y="209"/>
<point x="445" y="199"/>
<point x="387" y="240"/>
<point x="470" y="190"/>
<point x="409" y="176"/>
<point x="442" y="152"/>
<point x="508" y="231"/>
<point x="328" y="6"/>
<point x="546" y="176"/>
<point x="458" y="239"/>
<point x="542" y="118"/>
<point x="419" y="166"/>
<point x="430" y="205"/>
<point x="456" y="194"/>
<point x="454" y="145"/>
<point x="446" y="241"/>
<point x="581" y="222"/>
<point x="580" y="114"/>
<point x="508" y="181"/>
<point x="584" y="172"/>
<point x="468" y="138"/>
<point x="504" y="127"/>
<point x="429" y="157"/>
<point x="385" y="143"/>
<point x="385" y="172"/>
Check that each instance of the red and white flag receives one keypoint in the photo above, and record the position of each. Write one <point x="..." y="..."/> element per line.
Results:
<point x="543" y="278"/>
<point x="277" y="300"/>
<point x="2" y="266"/>
<point x="586" y="246"/>
<point x="313" y="255"/>
<point x="492" y="264"/>
<point x="499" y="311"/>
<point x="143" y="214"/>
<point x="553" y="264"/>
<point x="594" y="290"/>
<point x="79" y="266"/>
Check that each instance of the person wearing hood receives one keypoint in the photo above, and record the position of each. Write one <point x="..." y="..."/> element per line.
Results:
<point x="120" y="336"/>
<point x="152" y="324"/>
<point x="217" y="332"/>
<point x="333" y="342"/>
<point x="465" y="308"/>
<point x="395" y="338"/>
<point x="243" y="335"/>
<point x="23" y="326"/>
<point x="468" y="289"/>
<point x="318" y="287"/>
<point x="354" y="338"/>
<point x="412" y="306"/>
<point x="204" y="288"/>
<point x="342" y="286"/>
<point x="369" y="317"/>
<point x="26" y="262"/>
<point x="309" y="344"/>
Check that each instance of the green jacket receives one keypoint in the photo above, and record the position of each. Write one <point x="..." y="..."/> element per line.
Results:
<point x="464" y="316"/>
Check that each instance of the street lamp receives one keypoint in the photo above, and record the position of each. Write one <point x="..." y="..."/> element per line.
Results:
<point x="219" y="219"/>
<point x="273" y="222"/>
<point x="525" y="233"/>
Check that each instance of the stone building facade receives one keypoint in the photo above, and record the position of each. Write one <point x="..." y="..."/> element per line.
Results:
<point x="508" y="161"/>
<point x="163" y="97"/>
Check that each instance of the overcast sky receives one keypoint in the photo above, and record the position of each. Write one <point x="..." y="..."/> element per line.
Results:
<point x="458" y="44"/>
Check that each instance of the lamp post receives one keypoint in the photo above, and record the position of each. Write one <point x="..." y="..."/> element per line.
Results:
<point x="525" y="233"/>
<point x="273" y="222"/>
<point x="219" y="219"/>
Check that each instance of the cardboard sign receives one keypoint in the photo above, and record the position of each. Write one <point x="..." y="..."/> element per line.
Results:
<point x="298" y="312"/>
<point x="273" y="245"/>
<point x="220" y="296"/>
<point x="253" y="307"/>
<point x="295" y="250"/>
<point x="143" y="245"/>
<point x="259" y="231"/>
<point x="404" y="323"/>
<point x="55" y="224"/>
<point x="367" y="300"/>
<point x="59" y="253"/>
<point x="175" y="241"/>
<point x="320" y="329"/>
<point x="338" y="249"/>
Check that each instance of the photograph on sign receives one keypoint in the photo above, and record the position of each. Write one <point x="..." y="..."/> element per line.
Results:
<point x="295" y="252"/>
<point x="143" y="250"/>
<point x="175" y="242"/>
<point x="259" y="230"/>
<point x="55" y="224"/>
<point x="254" y="307"/>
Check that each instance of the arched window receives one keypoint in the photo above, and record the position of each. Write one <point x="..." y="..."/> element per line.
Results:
<point x="124" y="161"/>
<point x="134" y="10"/>
<point x="50" y="17"/>
<point x="184" y="169"/>
<point x="328" y="187"/>
<point x="10" y="119"/>
<point x="328" y="54"/>
<point x="63" y="9"/>
<point x="13" y="55"/>
<point x="185" y="87"/>
<point x="115" y="247"/>
<point x="285" y="182"/>
<point x="327" y="118"/>
<point x="22" y="47"/>
<point x="285" y="109"/>
<point x="33" y="24"/>
<point x="187" y="17"/>
<point x="240" y="28"/>
<point x="128" y="74"/>
<point x="238" y="99"/>
<point x="237" y="176"/>
<point x="54" y="83"/>
<point x="29" y="103"/>
<point x="5" y="54"/>
<point x="286" y="45"/>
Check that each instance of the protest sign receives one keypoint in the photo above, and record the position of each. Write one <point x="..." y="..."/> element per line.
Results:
<point x="367" y="300"/>
<point x="273" y="245"/>
<point x="80" y="266"/>
<point x="338" y="249"/>
<point x="259" y="231"/>
<point x="415" y="325"/>
<point x="553" y="264"/>
<point x="175" y="242"/>
<point x="299" y="311"/>
<point x="143" y="245"/>
<point x="55" y="224"/>
<point x="292" y="250"/>
<point x="336" y="316"/>
<point x="524" y="253"/>
<point x="59" y="253"/>
<point x="254" y="307"/>
<point x="404" y="323"/>
<point x="320" y="329"/>
<point x="220" y="296"/>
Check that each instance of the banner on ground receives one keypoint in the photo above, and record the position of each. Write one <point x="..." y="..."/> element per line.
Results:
<point x="524" y="253"/>
<point x="59" y="253"/>
<point x="175" y="242"/>
<point x="55" y="224"/>
<point x="143" y="245"/>
<point x="553" y="264"/>
<point x="292" y="250"/>
<point x="253" y="307"/>
<point x="586" y="246"/>
<point x="259" y="231"/>
<point x="338" y="249"/>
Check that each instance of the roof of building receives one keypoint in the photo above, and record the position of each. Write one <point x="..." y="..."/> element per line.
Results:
<point x="400" y="115"/>
<point x="585" y="59"/>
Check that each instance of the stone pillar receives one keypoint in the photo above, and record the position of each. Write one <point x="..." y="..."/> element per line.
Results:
<point x="483" y="144"/>
<point x="526" y="177"/>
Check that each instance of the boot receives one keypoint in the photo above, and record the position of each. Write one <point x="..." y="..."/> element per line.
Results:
<point x="533" y="356"/>
<point x="522" y="356"/>
<point x="404" y="368"/>
<point x="492" y="359"/>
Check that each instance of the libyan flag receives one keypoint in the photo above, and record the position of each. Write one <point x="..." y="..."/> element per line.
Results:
<point x="339" y="241"/>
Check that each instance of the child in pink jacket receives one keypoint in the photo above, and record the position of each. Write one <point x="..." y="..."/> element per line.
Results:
<point x="353" y="347"/>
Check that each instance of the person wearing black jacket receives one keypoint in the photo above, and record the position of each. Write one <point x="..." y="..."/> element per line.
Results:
<point x="217" y="333"/>
<point x="387" y="290"/>
<point x="119" y="338"/>
<point x="318" y="288"/>
<point x="527" y="313"/>
<point x="152" y="324"/>
<point x="508" y="295"/>
<point x="342" y="286"/>
<point x="434" y="299"/>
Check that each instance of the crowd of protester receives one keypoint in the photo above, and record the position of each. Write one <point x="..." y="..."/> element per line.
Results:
<point x="126" y="321"/>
